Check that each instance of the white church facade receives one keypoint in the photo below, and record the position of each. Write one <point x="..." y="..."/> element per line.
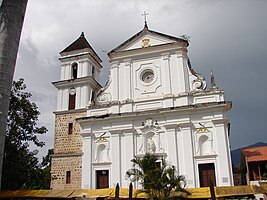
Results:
<point x="153" y="102"/>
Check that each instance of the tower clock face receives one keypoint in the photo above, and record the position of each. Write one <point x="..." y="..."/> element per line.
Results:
<point x="72" y="91"/>
<point x="147" y="76"/>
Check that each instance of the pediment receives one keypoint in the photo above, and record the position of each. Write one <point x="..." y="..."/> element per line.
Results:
<point x="147" y="41"/>
<point x="146" y="38"/>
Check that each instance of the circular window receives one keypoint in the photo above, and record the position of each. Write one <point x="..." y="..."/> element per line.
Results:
<point x="147" y="76"/>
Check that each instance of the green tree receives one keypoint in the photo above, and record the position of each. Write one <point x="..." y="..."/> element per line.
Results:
<point x="45" y="170"/>
<point x="20" y="166"/>
<point x="41" y="175"/>
<point x="157" y="177"/>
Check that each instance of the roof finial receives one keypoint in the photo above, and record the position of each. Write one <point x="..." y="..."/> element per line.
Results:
<point x="212" y="81"/>
<point x="145" y="14"/>
<point x="82" y="34"/>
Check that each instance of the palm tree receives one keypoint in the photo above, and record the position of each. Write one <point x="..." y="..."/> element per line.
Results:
<point x="11" y="20"/>
<point x="157" y="177"/>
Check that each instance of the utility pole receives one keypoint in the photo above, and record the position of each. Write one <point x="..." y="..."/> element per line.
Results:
<point x="12" y="14"/>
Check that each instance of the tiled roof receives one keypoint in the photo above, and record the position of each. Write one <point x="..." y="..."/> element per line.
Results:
<point x="255" y="154"/>
<point x="80" y="43"/>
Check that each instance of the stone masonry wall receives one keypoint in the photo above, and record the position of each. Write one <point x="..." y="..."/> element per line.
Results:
<point x="59" y="168"/>
<point x="65" y="143"/>
<point x="67" y="152"/>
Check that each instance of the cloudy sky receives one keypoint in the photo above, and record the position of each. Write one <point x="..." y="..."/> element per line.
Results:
<point x="228" y="37"/>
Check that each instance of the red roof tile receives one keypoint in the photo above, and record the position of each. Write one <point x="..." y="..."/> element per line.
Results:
<point x="255" y="154"/>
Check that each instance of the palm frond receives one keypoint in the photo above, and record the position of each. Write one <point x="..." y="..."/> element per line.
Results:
<point x="134" y="175"/>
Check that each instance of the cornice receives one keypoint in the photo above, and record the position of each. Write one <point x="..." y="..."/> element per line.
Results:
<point x="80" y="53"/>
<point x="220" y="121"/>
<point x="61" y="112"/>
<point x="74" y="82"/>
<point x="159" y="49"/>
<point x="185" y="124"/>
<point x="59" y="155"/>
<point x="225" y="105"/>
<point x="102" y="163"/>
<point x="170" y="126"/>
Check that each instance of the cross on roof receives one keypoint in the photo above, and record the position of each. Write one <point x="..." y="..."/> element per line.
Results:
<point x="145" y="14"/>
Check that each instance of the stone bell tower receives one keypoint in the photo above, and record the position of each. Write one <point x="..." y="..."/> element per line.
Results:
<point x="78" y="84"/>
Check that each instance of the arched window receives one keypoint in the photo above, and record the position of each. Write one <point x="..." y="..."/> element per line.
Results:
<point x="74" y="70"/>
<point x="72" y="98"/>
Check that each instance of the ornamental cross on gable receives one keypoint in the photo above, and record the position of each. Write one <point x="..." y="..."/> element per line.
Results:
<point x="145" y="14"/>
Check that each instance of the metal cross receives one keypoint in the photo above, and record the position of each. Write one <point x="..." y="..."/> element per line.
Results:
<point x="145" y="14"/>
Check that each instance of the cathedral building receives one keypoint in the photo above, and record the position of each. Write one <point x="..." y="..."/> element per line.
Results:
<point x="154" y="101"/>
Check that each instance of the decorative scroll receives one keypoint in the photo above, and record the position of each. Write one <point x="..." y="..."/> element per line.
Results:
<point x="199" y="83"/>
<point x="104" y="97"/>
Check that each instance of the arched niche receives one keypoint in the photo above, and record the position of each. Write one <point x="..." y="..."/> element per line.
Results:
<point x="204" y="145"/>
<point x="102" y="150"/>
<point x="101" y="153"/>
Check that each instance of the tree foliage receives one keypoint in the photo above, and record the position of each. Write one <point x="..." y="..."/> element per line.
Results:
<point x="156" y="175"/>
<point x="21" y="169"/>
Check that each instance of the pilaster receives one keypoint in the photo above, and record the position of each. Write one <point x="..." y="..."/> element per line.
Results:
<point x="181" y="71"/>
<point x="87" y="162"/>
<point x="128" y="85"/>
<point x="172" y="146"/>
<point x="63" y="72"/>
<point x="186" y="160"/>
<point x="115" y="80"/>
<point x="116" y="157"/>
<point x="225" y="175"/>
<point x="127" y="154"/>
<point x="165" y="70"/>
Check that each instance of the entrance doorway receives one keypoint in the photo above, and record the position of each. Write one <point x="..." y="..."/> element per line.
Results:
<point x="206" y="174"/>
<point x="102" y="177"/>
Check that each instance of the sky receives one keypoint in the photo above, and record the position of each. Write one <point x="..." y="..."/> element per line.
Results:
<point x="226" y="36"/>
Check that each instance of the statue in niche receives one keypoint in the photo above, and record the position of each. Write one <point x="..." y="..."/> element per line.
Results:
<point x="151" y="147"/>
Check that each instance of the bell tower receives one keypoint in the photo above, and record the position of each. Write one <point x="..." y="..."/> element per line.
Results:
<point x="78" y="84"/>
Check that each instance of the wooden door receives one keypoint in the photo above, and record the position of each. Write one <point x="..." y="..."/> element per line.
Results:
<point x="102" y="177"/>
<point x="206" y="174"/>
